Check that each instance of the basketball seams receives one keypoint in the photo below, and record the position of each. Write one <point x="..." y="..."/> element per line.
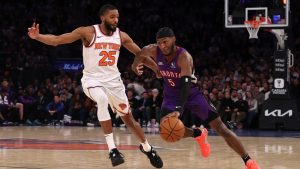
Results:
<point x="173" y="126"/>
<point x="171" y="129"/>
<point x="162" y="126"/>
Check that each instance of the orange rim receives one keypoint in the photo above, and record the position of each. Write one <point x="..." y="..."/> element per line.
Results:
<point x="253" y="23"/>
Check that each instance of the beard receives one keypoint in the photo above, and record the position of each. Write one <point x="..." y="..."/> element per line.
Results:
<point x="110" y="27"/>
<point x="171" y="51"/>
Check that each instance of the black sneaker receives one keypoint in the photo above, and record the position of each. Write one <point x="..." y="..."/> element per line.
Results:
<point x="155" y="160"/>
<point x="116" y="157"/>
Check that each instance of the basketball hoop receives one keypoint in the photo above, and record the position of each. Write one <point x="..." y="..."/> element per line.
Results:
<point x="252" y="27"/>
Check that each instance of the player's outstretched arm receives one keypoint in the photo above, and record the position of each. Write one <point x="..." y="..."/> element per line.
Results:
<point x="129" y="44"/>
<point x="54" y="40"/>
<point x="146" y="57"/>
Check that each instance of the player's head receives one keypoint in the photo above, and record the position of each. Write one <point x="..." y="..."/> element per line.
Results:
<point x="165" y="39"/>
<point x="109" y="16"/>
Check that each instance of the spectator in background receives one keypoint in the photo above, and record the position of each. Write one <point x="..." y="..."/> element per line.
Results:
<point x="213" y="99"/>
<point x="76" y="109"/>
<point x="143" y="109"/>
<point x="253" y="108"/>
<point x="265" y="91"/>
<point x="240" y="111"/>
<point x="5" y="106"/>
<point x="27" y="98"/>
<point x="226" y="107"/>
<point x="55" y="110"/>
<point x="259" y="96"/>
<point x="42" y="102"/>
<point x="155" y="101"/>
<point x="133" y="102"/>
<point x="234" y="96"/>
<point x="9" y="104"/>
<point x="91" y="109"/>
<point x="243" y="90"/>
<point x="137" y="88"/>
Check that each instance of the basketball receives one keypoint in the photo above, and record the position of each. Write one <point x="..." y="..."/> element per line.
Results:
<point x="171" y="129"/>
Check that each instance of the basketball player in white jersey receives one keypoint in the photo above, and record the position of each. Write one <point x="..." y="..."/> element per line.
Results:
<point x="101" y="79"/>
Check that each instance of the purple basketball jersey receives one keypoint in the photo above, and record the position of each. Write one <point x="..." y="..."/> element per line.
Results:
<point x="170" y="72"/>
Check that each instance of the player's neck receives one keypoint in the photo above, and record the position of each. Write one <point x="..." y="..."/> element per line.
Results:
<point x="105" y="31"/>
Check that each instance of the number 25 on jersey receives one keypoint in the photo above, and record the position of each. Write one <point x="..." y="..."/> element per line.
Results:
<point x="107" y="58"/>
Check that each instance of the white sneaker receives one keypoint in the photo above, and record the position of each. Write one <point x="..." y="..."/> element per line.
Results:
<point x="90" y="124"/>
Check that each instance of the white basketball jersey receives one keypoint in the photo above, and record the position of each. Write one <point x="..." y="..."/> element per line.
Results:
<point x="101" y="57"/>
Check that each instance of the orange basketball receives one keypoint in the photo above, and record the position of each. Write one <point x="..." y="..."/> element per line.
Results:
<point x="171" y="129"/>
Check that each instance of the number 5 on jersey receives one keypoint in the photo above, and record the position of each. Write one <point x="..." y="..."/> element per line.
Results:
<point x="171" y="82"/>
<point x="108" y="58"/>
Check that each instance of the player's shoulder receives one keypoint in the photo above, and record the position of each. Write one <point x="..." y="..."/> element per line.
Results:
<point x="125" y="37"/>
<point x="184" y="53"/>
<point x="90" y="28"/>
<point x="85" y="29"/>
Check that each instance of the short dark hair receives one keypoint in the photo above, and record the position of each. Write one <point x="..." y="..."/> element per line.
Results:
<point x="164" y="32"/>
<point x="106" y="8"/>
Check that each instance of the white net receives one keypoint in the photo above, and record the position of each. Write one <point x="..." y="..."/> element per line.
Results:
<point x="253" y="28"/>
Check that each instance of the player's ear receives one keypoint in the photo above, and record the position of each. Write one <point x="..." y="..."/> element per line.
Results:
<point x="102" y="18"/>
<point x="174" y="38"/>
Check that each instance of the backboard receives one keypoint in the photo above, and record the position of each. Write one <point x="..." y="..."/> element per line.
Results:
<point x="238" y="11"/>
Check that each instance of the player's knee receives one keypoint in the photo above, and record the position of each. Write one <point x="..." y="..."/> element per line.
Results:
<point x="103" y="114"/>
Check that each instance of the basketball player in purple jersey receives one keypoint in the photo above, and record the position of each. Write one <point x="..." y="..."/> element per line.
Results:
<point x="175" y="65"/>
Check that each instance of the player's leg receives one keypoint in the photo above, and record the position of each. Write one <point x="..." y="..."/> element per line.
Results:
<point x="206" y="109"/>
<point x="99" y="96"/>
<point x="233" y="142"/>
<point x="119" y="103"/>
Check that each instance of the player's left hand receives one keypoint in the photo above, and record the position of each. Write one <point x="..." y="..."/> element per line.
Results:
<point x="33" y="31"/>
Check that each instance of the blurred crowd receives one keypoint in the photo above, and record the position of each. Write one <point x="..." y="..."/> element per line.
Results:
<point x="233" y="72"/>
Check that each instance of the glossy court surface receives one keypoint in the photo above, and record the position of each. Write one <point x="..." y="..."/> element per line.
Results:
<point x="84" y="147"/>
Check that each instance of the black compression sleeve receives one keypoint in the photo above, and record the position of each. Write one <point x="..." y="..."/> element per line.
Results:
<point x="185" y="82"/>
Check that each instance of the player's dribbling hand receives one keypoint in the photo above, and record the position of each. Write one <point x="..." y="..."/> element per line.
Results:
<point x="34" y="31"/>
<point x="173" y="114"/>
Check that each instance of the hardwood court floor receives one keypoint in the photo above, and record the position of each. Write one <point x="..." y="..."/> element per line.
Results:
<point x="85" y="148"/>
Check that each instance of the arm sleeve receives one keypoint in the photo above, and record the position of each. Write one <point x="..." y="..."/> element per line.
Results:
<point x="185" y="82"/>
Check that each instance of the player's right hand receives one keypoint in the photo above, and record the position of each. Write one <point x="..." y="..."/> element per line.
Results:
<point x="34" y="31"/>
<point x="173" y="114"/>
